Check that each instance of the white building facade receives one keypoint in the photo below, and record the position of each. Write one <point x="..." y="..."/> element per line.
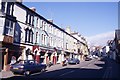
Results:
<point x="28" y="35"/>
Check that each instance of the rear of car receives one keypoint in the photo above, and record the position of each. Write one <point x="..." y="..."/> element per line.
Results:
<point x="73" y="61"/>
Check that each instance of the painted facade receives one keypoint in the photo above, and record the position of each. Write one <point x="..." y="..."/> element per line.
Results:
<point x="27" y="35"/>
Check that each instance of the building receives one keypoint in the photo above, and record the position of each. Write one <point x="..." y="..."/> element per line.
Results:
<point x="27" y="35"/>
<point x="79" y="45"/>
<point x="112" y="49"/>
<point x="117" y="43"/>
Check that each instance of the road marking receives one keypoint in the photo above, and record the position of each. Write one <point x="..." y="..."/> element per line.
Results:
<point x="107" y="73"/>
<point x="67" y="73"/>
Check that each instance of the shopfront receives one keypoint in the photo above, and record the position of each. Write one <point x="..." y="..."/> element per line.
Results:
<point x="42" y="55"/>
<point x="10" y="51"/>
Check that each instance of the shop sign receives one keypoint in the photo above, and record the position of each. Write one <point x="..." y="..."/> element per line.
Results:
<point x="8" y="39"/>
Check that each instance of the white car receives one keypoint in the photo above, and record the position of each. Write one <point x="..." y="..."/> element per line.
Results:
<point x="94" y="56"/>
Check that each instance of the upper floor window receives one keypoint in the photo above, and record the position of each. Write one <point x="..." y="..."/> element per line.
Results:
<point x="9" y="27"/>
<point x="3" y="6"/>
<point x="28" y="35"/>
<point x="66" y="46"/>
<point x="35" y="22"/>
<point x="30" y="19"/>
<point x="42" y="39"/>
<point x="42" y="24"/>
<point x="51" y="29"/>
<point x="7" y="7"/>
<point x="36" y="40"/>
<point x="31" y="36"/>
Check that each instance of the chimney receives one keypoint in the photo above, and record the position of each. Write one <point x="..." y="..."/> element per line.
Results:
<point x="33" y="9"/>
<point x="20" y="1"/>
<point x="50" y="21"/>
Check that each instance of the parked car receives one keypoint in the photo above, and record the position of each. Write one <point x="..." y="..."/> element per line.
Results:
<point x="27" y="67"/>
<point x="95" y="57"/>
<point x="88" y="58"/>
<point x="73" y="61"/>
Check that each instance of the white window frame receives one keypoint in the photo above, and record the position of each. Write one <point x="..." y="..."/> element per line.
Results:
<point x="10" y="29"/>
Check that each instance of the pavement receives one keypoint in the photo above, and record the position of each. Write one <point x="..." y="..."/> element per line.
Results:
<point x="8" y="74"/>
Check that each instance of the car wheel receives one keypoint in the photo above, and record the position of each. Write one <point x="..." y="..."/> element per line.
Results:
<point x="27" y="73"/>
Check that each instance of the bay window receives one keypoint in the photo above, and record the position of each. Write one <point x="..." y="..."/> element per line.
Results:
<point x="9" y="28"/>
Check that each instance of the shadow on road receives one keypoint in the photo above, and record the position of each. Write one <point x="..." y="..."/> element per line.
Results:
<point x="71" y="74"/>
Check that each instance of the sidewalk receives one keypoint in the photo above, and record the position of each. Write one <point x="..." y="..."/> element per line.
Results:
<point x="8" y="74"/>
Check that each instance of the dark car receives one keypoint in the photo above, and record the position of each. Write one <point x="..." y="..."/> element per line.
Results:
<point x="27" y="67"/>
<point x="73" y="61"/>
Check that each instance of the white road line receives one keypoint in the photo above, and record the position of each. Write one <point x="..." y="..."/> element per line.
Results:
<point x="67" y="73"/>
<point x="107" y="73"/>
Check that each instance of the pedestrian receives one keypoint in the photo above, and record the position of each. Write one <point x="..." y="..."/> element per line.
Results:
<point x="13" y="60"/>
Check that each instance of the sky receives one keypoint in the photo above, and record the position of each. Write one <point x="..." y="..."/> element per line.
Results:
<point x="90" y="19"/>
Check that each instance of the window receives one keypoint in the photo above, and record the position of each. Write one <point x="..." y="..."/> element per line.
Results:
<point x="51" y="29"/>
<point x="9" y="26"/>
<point x="42" y="39"/>
<point x="3" y="6"/>
<point x="42" y="25"/>
<point x="66" y="46"/>
<point x="30" y="19"/>
<point x="45" y="26"/>
<point x="35" y="21"/>
<point x="51" y="41"/>
<point x="28" y="36"/>
<point x="26" y="18"/>
<point x="36" y="37"/>
<point x="9" y="8"/>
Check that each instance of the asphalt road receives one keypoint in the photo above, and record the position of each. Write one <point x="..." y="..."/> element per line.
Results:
<point x="100" y="69"/>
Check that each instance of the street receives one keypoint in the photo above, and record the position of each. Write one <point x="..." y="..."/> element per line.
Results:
<point x="95" y="69"/>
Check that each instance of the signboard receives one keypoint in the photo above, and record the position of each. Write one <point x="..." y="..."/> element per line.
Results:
<point x="8" y="39"/>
